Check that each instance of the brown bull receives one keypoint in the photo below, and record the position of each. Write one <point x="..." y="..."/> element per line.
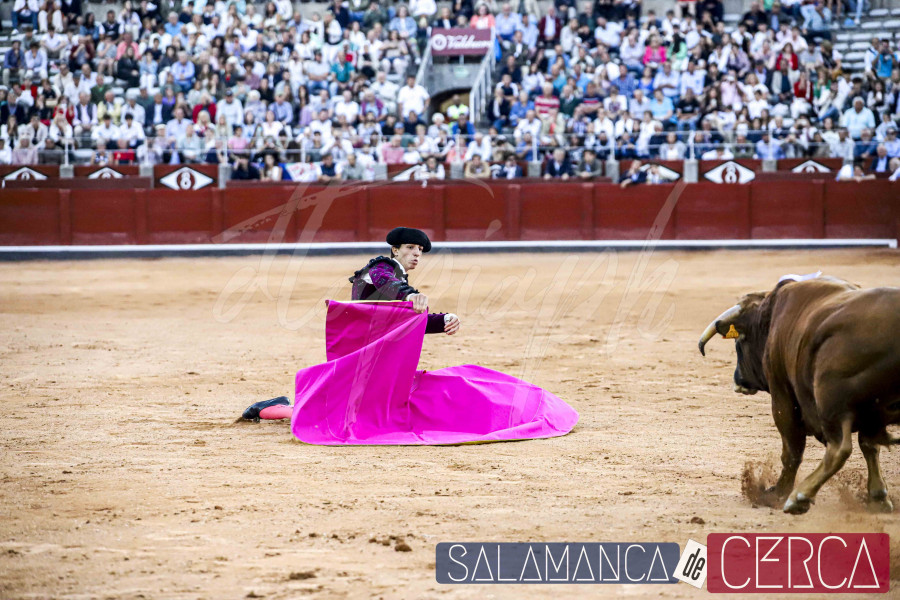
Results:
<point x="829" y="355"/>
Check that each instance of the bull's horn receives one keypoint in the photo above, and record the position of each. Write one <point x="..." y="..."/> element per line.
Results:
<point x="727" y="316"/>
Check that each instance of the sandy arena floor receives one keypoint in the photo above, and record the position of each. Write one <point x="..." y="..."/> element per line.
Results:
<point x="123" y="474"/>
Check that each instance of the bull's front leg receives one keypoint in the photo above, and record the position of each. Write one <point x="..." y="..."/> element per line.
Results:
<point x="838" y="445"/>
<point x="877" y="489"/>
<point x="793" y="442"/>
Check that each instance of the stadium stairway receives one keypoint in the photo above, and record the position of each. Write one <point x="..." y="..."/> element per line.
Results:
<point x="853" y="42"/>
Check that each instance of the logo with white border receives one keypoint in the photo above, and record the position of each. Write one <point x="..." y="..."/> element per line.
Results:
<point x="186" y="178"/>
<point x="730" y="172"/>
<point x="691" y="567"/>
<point x="25" y="174"/>
<point x="811" y="166"/>
<point x="105" y="173"/>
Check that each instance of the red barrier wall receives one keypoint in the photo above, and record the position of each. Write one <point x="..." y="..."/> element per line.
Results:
<point x="458" y="211"/>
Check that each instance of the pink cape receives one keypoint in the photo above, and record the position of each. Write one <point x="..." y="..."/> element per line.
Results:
<point x="369" y="391"/>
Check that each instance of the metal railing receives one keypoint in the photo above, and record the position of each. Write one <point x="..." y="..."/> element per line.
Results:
<point x="482" y="88"/>
<point x="70" y="151"/>
<point x="424" y="65"/>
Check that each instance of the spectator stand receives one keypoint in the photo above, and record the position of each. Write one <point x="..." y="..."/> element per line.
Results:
<point x="268" y="90"/>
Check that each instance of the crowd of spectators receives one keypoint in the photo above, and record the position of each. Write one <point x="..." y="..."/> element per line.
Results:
<point x="328" y="96"/>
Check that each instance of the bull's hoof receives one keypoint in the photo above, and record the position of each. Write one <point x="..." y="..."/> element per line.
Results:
<point x="879" y="502"/>
<point x="797" y="504"/>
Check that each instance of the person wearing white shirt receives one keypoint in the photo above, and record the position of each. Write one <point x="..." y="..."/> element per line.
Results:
<point x="691" y="35"/>
<point x="85" y="114"/>
<point x="6" y="153"/>
<point x="718" y="153"/>
<point x="530" y="124"/>
<point x="858" y="118"/>
<point x="60" y="129"/>
<point x="639" y="104"/>
<point x="106" y="132"/>
<point x="668" y="80"/>
<point x="176" y="127"/>
<point x="608" y="33"/>
<point x="481" y="145"/>
<point x="25" y="11"/>
<point x="231" y="108"/>
<point x="131" y="131"/>
<point x="412" y="97"/>
<point x="507" y="22"/>
<point x="285" y="8"/>
<point x="53" y="43"/>
<point x="757" y="105"/>
<point x="692" y="78"/>
<point x="322" y="124"/>
<point x="347" y="107"/>
<point x="136" y="110"/>
<point x="36" y="60"/>
<point x="422" y="8"/>
<point x="604" y="124"/>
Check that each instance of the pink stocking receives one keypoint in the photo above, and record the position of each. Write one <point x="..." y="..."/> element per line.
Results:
<point x="274" y="413"/>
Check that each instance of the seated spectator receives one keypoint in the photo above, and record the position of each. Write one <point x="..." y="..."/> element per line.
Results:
<point x="881" y="161"/>
<point x="477" y="168"/>
<point x="894" y="167"/>
<point x="857" y="118"/>
<point x="463" y="126"/>
<point x="853" y="172"/>
<point x="590" y="166"/>
<point x="106" y="131"/>
<point x="5" y="153"/>
<point x="432" y="169"/>
<point x="25" y="12"/>
<point x="131" y="132"/>
<point x="412" y="97"/>
<point x="392" y="151"/>
<point x="719" y="153"/>
<point x="662" y="109"/>
<point x="634" y="175"/>
<point x="270" y="170"/>
<point x="190" y="146"/>
<point x="558" y="165"/>
<point x="768" y="148"/>
<point x="122" y="155"/>
<point x="243" y="169"/>
<point x="13" y="62"/>
<point x="672" y="149"/>
<point x="510" y="169"/>
<point x="892" y="142"/>
<point x="328" y="171"/>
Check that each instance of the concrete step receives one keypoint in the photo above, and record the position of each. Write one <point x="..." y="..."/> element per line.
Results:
<point x="853" y="57"/>
<point x="859" y="45"/>
<point x="879" y="12"/>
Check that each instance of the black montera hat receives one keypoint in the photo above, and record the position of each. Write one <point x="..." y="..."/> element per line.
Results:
<point x="408" y="235"/>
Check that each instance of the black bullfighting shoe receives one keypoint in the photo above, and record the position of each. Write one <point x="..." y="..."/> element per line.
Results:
<point x="252" y="412"/>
